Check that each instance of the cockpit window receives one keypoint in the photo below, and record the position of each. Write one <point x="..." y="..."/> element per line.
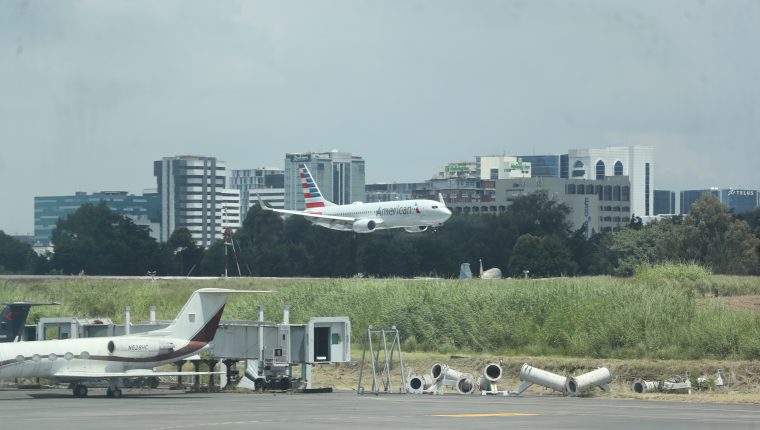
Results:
<point x="435" y="207"/>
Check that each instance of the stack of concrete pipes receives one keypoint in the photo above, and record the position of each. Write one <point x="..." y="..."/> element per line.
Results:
<point x="442" y="376"/>
<point x="567" y="385"/>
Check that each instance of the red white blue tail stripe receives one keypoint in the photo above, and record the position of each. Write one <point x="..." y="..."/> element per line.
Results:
<point x="311" y="194"/>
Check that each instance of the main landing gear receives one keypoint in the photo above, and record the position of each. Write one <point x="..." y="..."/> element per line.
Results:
<point x="113" y="392"/>
<point x="79" y="390"/>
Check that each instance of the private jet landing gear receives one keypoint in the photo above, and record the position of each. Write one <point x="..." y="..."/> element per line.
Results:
<point x="79" y="390"/>
<point x="114" y="389"/>
<point x="113" y="392"/>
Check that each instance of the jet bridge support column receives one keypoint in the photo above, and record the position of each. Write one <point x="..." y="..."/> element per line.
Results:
<point x="211" y="378"/>
<point x="196" y="378"/>
<point x="179" y="385"/>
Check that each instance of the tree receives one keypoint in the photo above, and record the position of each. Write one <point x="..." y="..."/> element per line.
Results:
<point x="15" y="256"/>
<point x="96" y="241"/>
<point x="185" y="254"/>
<point x="723" y="243"/>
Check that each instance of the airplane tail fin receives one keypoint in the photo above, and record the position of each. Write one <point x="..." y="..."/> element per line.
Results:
<point x="12" y="321"/>
<point x="311" y="194"/>
<point x="13" y="318"/>
<point x="199" y="318"/>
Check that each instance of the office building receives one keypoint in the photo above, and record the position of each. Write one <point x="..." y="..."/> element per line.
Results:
<point x="493" y="167"/>
<point x="738" y="201"/>
<point x="458" y="170"/>
<point x="664" y="202"/>
<point x="193" y="196"/>
<point x="267" y="182"/>
<point x="143" y="210"/>
<point x="339" y="175"/>
<point x="635" y="162"/>
<point x="546" y="166"/>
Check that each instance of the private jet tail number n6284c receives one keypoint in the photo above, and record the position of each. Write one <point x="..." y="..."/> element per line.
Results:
<point x="414" y="216"/>
<point x="111" y="359"/>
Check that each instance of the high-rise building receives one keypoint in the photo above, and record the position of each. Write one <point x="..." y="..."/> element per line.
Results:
<point x="636" y="162"/>
<point x="340" y="177"/>
<point x="192" y="193"/>
<point x="143" y="210"/>
<point x="739" y="201"/>
<point x="267" y="182"/>
<point x="664" y="202"/>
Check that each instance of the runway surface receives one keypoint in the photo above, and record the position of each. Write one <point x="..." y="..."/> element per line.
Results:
<point x="165" y="410"/>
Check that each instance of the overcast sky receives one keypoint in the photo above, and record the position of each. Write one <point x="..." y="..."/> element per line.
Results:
<point x="92" y="92"/>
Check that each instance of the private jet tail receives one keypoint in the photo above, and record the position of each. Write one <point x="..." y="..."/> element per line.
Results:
<point x="199" y="318"/>
<point x="311" y="194"/>
<point x="13" y="319"/>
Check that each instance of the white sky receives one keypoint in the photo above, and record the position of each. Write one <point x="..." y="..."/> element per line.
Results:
<point x="92" y="92"/>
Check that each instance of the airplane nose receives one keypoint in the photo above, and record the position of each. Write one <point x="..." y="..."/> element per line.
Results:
<point x="446" y="212"/>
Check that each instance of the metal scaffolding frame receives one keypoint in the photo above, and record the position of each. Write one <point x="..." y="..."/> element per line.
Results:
<point x="376" y="342"/>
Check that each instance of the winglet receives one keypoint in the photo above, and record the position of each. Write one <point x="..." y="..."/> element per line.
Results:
<point x="264" y="205"/>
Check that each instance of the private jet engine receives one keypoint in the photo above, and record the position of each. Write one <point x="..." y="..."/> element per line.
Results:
<point x="417" y="229"/>
<point x="139" y="347"/>
<point x="364" y="226"/>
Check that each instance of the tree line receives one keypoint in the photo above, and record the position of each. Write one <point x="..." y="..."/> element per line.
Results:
<point x="534" y="234"/>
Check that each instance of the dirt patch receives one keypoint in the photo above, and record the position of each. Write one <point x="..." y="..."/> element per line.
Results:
<point x="742" y="385"/>
<point x="747" y="303"/>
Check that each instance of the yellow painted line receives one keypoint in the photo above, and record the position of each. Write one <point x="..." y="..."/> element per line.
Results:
<point x="497" y="414"/>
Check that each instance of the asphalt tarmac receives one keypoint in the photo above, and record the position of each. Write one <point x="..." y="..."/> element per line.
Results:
<point x="164" y="410"/>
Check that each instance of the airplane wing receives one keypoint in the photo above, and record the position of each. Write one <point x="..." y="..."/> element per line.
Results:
<point x="265" y="206"/>
<point x="135" y="373"/>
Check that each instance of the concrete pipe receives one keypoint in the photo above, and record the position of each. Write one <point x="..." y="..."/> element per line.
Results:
<point x="531" y="375"/>
<point x="492" y="372"/>
<point x="442" y="372"/>
<point x="641" y="386"/>
<point x="600" y="377"/>
<point x="465" y="384"/>
<point x="419" y="383"/>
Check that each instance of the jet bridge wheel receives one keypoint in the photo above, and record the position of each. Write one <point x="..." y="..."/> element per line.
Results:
<point x="80" y="390"/>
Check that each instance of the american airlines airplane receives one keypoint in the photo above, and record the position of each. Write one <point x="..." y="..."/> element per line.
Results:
<point x="112" y="358"/>
<point x="414" y="216"/>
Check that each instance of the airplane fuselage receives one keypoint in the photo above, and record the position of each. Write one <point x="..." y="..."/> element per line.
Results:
<point x="397" y="214"/>
<point x="102" y="354"/>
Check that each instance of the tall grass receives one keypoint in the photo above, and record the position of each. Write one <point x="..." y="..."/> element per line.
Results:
<point x="644" y="316"/>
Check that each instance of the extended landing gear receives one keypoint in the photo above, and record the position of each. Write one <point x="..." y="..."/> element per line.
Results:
<point x="79" y="390"/>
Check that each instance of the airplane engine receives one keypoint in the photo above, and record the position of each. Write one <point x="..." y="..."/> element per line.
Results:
<point x="364" y="226"/>
<point x="418" y="229"/>
<point x="139" y="347"/>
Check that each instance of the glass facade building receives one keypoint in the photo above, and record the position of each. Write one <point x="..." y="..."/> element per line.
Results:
<point x="738" y="201"/>
<point x="664" y="202"/>
<point x="143" y="210"/>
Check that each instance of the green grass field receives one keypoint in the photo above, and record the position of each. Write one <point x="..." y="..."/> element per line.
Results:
<point x="658" y="314"/>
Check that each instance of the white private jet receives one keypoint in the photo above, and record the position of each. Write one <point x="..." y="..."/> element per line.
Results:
<point x="112" y="358"/>
<point x="414" y="216"/>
